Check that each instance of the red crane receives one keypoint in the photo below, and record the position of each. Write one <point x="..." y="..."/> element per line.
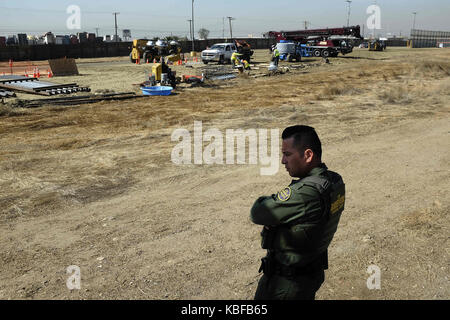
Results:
<point x="302" y="35"/>
<point x="328" y="42"/>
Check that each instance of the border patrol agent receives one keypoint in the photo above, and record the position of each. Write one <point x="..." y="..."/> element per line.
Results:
<point x="299" y="221"/>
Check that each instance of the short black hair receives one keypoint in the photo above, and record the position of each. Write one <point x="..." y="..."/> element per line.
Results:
<point x="305" y="137"/>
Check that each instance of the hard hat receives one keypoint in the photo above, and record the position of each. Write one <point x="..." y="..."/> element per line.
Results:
<point x="150" y="43"/>
<point x="161" y="43"/>
<point x="173" y="43"/>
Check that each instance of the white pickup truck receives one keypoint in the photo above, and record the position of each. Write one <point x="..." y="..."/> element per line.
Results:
<point x="220" y="52"/>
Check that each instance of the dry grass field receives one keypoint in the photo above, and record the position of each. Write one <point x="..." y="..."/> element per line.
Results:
<point x="94" y="186"/>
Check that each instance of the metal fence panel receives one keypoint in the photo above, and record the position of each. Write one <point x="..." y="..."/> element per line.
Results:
<point x="427" y="38"/>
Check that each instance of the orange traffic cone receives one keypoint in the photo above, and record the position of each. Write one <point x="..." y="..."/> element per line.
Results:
<point x="38" y="73"/>
<point x="25" y="74"/>
<point x="34" y="73"/>
<point x="154" y="60"/>
<point x="50" y="74"/>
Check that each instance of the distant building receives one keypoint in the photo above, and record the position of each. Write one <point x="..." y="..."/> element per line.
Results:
<point x="32" y="40"/>
<point x="91" y="37"/>
<point x="11" y="40"/>
<point x="126" y="34"/>
<point x="74" y="39"/>
<point x="49" y="38"/>
<point x="59" y="40"/>
<point x="82" y="37"/>
<point x="23" y="41"/>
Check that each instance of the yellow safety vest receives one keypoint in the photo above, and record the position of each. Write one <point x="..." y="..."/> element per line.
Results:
<point x="234" y="57"/>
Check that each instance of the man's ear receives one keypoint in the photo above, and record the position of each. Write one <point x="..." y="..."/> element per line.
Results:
<point x="309" y="154"/>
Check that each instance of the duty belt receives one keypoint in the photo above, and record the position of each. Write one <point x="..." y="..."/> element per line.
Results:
<point x="270" y="266"/>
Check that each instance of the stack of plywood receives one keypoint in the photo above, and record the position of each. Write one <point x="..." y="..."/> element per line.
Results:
<point x="63" y="67"/>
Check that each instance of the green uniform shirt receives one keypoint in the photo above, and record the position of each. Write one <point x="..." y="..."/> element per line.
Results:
<point x="294" y="219"/>
<point x="301" y="202"/>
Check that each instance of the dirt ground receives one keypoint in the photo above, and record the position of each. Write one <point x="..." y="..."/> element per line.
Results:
<point x="94" y="185"/>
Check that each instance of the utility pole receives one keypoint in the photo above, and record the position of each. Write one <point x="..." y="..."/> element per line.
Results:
<point x="193" y="29"/>
<point x="306" y="24"/>
<point x="190" y="27"/>
<point x="115" y="20"/>
<point x="231" y="29"/>
<point x="349" y="8"/>
<point x="414" y="23"/>
<point x="223" y="28"/>
<point x="96" y="31"/>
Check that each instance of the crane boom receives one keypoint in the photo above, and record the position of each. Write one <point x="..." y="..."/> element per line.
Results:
<point x="302" y="35"/>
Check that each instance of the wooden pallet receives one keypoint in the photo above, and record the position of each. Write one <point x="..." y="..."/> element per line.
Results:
<point x="35" y="86"/>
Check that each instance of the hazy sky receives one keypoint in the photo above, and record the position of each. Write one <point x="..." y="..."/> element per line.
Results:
<point x="160" y="18"/>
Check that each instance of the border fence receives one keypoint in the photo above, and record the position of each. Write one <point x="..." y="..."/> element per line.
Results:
<point x="429" y="39"/>
<point x="103" y="49"/>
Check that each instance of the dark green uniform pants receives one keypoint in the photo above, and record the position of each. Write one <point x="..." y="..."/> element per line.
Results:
<point x="302" y="287"/>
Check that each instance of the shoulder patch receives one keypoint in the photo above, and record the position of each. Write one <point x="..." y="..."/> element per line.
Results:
<point x="285" y="194"/>
<point x="338" y="204"/>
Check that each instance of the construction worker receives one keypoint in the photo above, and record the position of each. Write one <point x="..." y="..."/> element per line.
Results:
<point x="170" y="75"/>
<point x="174" y="47"/>
<point x="246" y="65"/>
<point x="275" y="55"/>
<point x="235" y="59"/>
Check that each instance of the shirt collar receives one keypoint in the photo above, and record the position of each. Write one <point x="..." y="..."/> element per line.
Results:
<point x="321" y="168"/>
<point x="317" y="171"/>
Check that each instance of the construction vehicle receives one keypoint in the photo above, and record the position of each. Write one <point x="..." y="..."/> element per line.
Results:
<point x="377" y="45"/>
<point x="148" y="51"/>
<point x="244" y="49"/>
<point x="174" y="52"/>
<point x="220" y="52"/>
<point x="138" y="50"/>
<point x="325" y="43"/>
